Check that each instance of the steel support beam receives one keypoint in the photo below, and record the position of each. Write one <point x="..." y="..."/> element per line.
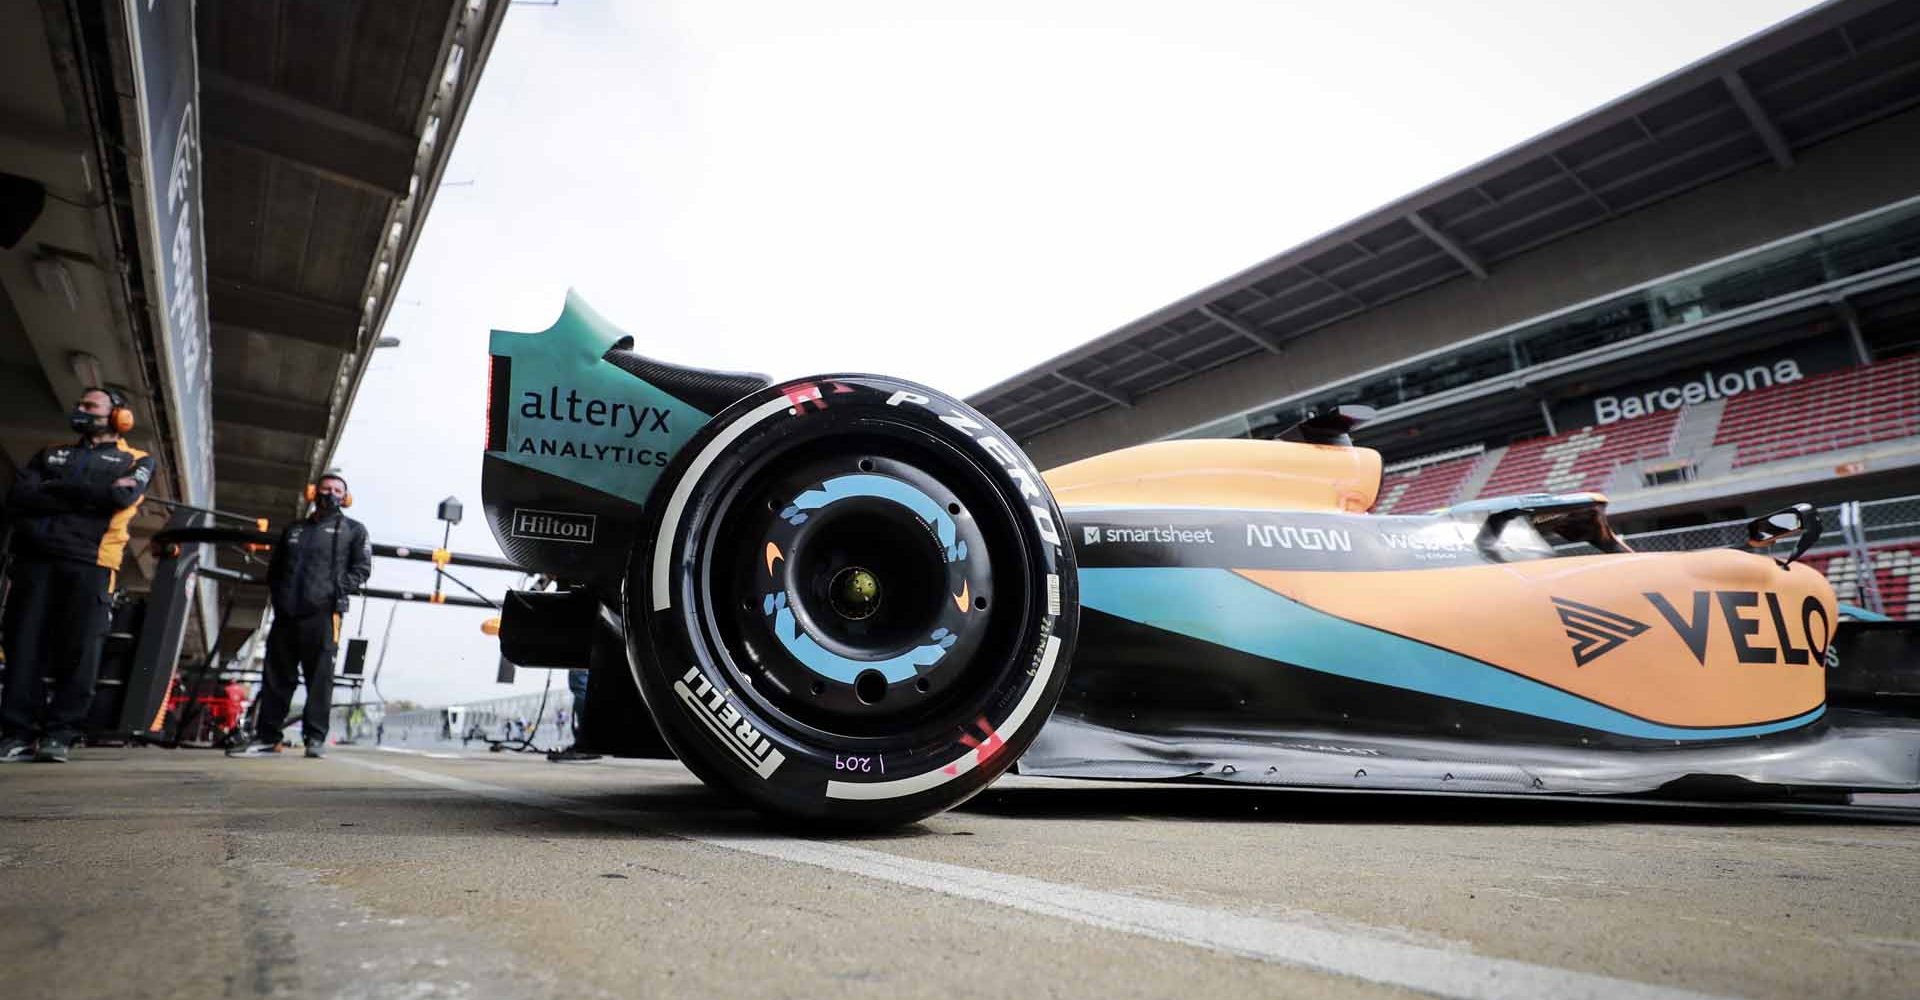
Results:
<point x="252" y="409"/>
<point x="276" y="313"/>
<point x="1337" y="288"/>
<point x="1111" y="395"/>
<point x="1272" y="346"/>
<point x="1851" y="317"/>
<point x="1582" y="185"/>
<point x="1757" y="118"/>
<point x="1446" y="243"/>
<point x="328" y="143"/>
<point x="1172" y="363"/>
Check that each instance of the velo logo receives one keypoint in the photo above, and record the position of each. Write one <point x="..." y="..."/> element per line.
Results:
<point x="1595" y="631"/>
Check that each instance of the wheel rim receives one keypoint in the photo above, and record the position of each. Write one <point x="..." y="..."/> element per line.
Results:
<point x="862" y="583"/>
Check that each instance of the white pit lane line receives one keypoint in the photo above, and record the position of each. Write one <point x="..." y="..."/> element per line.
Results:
<point x="1376" y="959"/>
<point x="419" y="753"/>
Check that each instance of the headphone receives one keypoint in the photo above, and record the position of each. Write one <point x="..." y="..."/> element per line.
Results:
<point x="119" y="419"/>
<point x="313" y="490"/>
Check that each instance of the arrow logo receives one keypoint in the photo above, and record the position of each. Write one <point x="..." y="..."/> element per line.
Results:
<point x="1595" y="631"/>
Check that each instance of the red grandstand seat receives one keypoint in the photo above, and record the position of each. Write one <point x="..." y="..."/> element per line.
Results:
<point x="1843" y="409"/>
<point x="1580" y="460"/>
<point x="1423" y="488"/>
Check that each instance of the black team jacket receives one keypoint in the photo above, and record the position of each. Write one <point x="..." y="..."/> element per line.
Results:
<point x="65" y="506"/>
<point x="318" y="564"/>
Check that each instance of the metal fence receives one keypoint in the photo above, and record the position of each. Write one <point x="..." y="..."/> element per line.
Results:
<point x="1862" y="548"/>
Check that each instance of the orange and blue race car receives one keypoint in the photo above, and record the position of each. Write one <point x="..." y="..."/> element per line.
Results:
<point x="852" y="599"/>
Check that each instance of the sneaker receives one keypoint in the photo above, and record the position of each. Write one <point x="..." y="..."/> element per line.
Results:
<point x="255" y="749"/>
<point x="569" y="755"/>
<point x="316" y="749"/>
<point x="52" y="750"/>
<point x="14" y="751"/>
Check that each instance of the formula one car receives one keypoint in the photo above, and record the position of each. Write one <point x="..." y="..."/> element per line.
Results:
<point x="852" y="598"/>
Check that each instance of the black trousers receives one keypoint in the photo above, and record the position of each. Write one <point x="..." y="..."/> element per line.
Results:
<point x="298" y="647"/>
<point x="57" y="617"/>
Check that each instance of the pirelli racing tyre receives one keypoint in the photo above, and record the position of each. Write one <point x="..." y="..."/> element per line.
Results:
<point x="851" y="602"/>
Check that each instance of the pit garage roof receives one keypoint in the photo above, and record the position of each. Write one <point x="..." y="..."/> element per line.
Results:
<point x="1756" y="103"/>
<point x="326" y="128"/>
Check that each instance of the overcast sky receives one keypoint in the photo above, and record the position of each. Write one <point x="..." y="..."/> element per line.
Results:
<point x="950" y="193"/>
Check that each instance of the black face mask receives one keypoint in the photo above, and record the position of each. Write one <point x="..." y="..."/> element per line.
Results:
<point x="85" y="423"/>
<point x="326" y="503"/>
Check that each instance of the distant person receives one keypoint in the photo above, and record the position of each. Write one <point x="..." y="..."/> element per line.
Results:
<point x="69" y="507"/>
<point x="577" y="684"/>
<point x="379" y="732"/>
<point x="317" y="565"/>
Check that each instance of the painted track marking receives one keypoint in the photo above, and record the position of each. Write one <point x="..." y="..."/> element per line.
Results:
<point x="419" y="753"/>
<point x="1377" y="959"/>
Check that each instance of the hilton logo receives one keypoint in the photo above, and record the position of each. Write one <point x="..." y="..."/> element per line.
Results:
<point x="553" y="526"/>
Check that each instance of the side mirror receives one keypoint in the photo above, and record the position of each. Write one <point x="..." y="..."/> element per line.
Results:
<point x="1799" y="520"/>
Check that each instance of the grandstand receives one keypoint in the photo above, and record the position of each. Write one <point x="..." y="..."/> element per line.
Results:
<point x="1582" y="460"/>
<point x="1827" y="417"/>
<point x="1830" y="412"/>
<point x="1895" y="576"/>
<point x="1420" y="486"/>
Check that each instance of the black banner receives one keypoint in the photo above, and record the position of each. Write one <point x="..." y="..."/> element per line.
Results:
<point x="1692" y="385"/>
<point x="166" y="79"/>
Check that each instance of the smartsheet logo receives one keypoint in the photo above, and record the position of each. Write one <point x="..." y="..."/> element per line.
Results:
<point x="553" y="526"/>
<point x="1092" y="534"/>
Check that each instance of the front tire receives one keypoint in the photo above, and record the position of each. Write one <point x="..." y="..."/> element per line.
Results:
<point x="851" y="602"/>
